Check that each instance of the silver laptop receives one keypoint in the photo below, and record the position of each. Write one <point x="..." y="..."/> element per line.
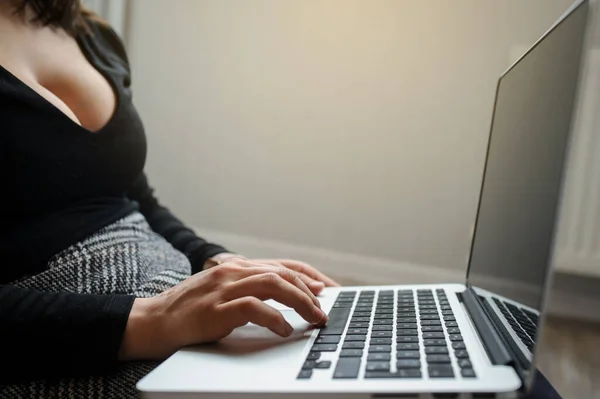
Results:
<point x="390" y="341"/>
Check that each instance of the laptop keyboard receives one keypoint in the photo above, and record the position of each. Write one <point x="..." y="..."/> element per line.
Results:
<point x="522" y="321"/>
<point x="402" y="334"/>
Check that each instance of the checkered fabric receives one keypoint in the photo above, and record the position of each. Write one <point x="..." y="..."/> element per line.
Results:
<point x="125" y="257"/>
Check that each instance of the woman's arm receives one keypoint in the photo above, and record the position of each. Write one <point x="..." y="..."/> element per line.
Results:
<point x="162" y="221"/>
<point x="45" y="335"/>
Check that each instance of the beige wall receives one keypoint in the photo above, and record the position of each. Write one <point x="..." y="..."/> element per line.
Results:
<point x="352" y="125"/>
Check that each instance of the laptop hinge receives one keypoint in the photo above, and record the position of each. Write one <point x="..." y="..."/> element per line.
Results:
<point x="492" y="342"/>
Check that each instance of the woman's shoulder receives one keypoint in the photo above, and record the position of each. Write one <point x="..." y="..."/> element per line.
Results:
<point x="104" y="36"/>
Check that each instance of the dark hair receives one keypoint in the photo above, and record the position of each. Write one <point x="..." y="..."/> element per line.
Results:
<point x="69" y="15"/>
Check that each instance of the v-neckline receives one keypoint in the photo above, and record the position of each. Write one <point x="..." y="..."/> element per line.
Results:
<point x="111" y="82"/>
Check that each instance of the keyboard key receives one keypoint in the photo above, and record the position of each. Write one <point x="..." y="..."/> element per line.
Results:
<point x="440" y="371"/>
<point x="450" y="324"/>
<point x="431" y="322"/>
<point x="328" y="339"/>
<point x="464" y="363"/>
<point x="406" y="308"/>
<point x="404" y="373"/>
<point x="384" y="306"/>
<point x="437" y="359"/>
<point x="342" y="305"/>
<point x="347" y="367"/>
<point x="309" y="365"/>
<point x="387" y="327"/>
<point x="429" y="317"/>
<point x="378" y="366"/>
<point x="433" y="335"/>
<point x="445" y="307"/>
<point x="380" y="348"/>
<point x="434" y="342"/>
<point x="449" y="318"/>
<point x="353" y="345"/>
<point x="323" y="364"/>
<point x="338" y="318"/>
<point x="407" y="333"/>
<point x="381" y="334"/>
<point x="447" y="312"/>
<point x="458" y="345"/>
<point x="383" y="316"/>
<point x="408" y="355"/>
<point x="456" y="337"/>
<point x="427" y="311"/>
<point x="382" y="322"/>
<point x="407" y="320"/>
<point x="358" y="338"/>
<point x="363" y="309"/>
<point x="432" y="329"/>
<point x="313" y="356"/>
<point x="408" y="364"/>
<point x="461" y="354"/>
<point x="324" y="348"/>
<point x="379" y="357"/>
<point x="424" y="307"/>
<point x="468" y="373"/>
<point x="384" y="311"/>
<point x="413" y="338"/>
<point x="436" y="350"/>
<point x="381" y="341"/>
<point x="453" y="330"/>
<point x="305" y="374"/>
<point x="409" y="346"/>
<point x="364" y="304"/>
<point x="351" y="353"/>
<point x="359" y="325"/>
<point x="360" y="314"/>
<point x="406" y="326"/>
<point x="360" y="320"/>
<point x="357" y="331"/>
<point x="426" y="301"/>
<point x="406" y="314"/>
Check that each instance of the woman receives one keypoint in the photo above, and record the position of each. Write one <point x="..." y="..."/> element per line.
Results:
<point x="98" y="280"/>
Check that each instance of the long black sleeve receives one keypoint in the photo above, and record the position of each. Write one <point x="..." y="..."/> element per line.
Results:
<point x="46" y="335"/>
<point x="162" y="221"/>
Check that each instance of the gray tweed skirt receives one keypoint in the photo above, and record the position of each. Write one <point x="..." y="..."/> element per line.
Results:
<point x="126" y="257"/>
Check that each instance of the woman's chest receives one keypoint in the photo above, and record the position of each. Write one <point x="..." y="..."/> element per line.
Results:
<point x="59" y="72"/>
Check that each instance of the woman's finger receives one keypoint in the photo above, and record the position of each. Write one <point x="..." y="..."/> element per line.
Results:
<point x="314" y="285"/>
<point x="241" y="311"/>
<point x="310" y="271"/>
<point x="272" y="286"/>
<point x="297" y="279"/>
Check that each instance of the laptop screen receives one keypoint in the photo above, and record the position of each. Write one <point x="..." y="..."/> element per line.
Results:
<point x="513" y="238"/>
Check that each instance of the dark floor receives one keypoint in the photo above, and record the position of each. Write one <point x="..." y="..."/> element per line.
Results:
<point x="570" y="357"/>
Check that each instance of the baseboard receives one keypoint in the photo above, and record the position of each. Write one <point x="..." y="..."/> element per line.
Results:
<point x="372" y="270"/>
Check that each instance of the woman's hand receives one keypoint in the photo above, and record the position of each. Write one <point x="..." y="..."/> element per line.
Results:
<point x="209" y="305"/>
<point x="314" y="279"/>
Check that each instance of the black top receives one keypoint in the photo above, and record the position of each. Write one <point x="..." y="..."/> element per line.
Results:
<point x="60" y="183"/>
